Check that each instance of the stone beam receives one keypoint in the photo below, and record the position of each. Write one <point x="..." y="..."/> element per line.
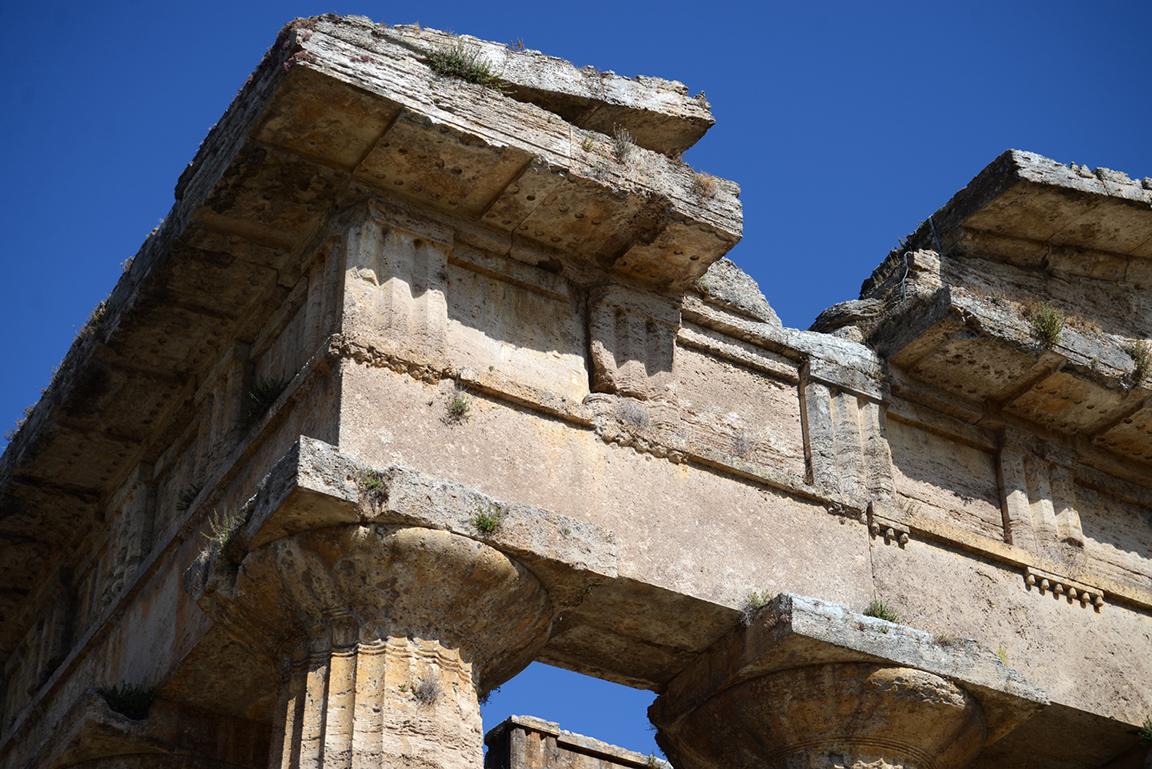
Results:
<point x="388" y="603"/>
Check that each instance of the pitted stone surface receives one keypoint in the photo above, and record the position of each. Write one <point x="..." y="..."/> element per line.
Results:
<point x="727" y="284"/>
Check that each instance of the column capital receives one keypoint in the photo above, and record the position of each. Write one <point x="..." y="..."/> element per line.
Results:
<point x="811" y="683"/>
<point x="349" y="585"/>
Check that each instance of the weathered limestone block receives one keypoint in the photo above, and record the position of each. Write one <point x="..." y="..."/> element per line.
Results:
<point x="1039" y="496"/>
<point x="739" y="399"/>
<point x="1032" y="626"/>
<point x="310" y="312"/>
<point x="1117" y="531"/>
<point x="658" y="113"/>
<point x="1029" y="239"/>
<point x="1014" y="499"/>
<point x="132" y="527"/>
<point x="395" y="289"/>
<point x="844" y="435"/>
<point x="43" y="646"/>
<point x="943" y="476"/>
<point x="633" y="343"/>
<point x="855" y="312"/>
<point x="726" y="284"/>
<point x="384" y="636"/>
<point x="516" y="323"/>
<point x="521" y="172"/>
<point x="221" y="396"/>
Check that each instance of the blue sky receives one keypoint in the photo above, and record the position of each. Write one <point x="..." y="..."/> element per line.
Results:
<point x="845" y="123"/>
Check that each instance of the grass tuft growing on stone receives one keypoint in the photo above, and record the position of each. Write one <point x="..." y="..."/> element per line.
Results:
<point x="259" y="398"/>
<point x="224" y="526"/>
<point x="459" y="408"/>
<point x="426" y="692"/>
<point x="632" y="413"/>
<point x="1142" y="357"/>
<point x="1144" y="733"/>
<point x="753" y="604"/>
<point x="1047" y="322"/>
<point x="373" y="480"/>
<point x="704" y="185"/>
<point x="622" y="144"/>
<point x="466" y="62"/>
<point x="487" y="519"/>
<point x="946" y="640"/>
<point x="878" y="610"/>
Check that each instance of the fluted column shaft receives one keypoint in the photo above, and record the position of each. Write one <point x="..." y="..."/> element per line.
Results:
<point x="376" y="704"/>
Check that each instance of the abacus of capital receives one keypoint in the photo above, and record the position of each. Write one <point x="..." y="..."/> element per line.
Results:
<point x="420" y="382"/>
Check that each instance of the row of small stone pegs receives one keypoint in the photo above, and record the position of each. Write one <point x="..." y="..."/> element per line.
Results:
<point x="1085" y="596"/>
<point x="890" y="534"/>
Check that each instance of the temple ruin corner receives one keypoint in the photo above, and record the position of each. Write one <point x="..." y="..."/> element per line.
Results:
<point x="423" y="379"/>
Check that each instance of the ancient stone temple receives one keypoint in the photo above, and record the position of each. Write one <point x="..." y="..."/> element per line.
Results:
<point x="424" y="379"/>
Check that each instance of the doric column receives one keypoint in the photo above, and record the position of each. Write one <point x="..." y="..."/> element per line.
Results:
<point x="384" y="636"/>
<point x="811" y="685"/>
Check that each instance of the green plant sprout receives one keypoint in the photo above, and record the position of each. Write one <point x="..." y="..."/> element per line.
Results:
<point x="459" y="408"/>
<point x="466" y="62"/>
<point x="259" y="398"/>
<point x="487" y="519"/>
<point x="1047" y="322"/>
<point x="224" y="526"/>
<point x="878" y="610"/>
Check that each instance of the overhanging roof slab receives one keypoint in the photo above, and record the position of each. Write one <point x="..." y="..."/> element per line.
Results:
<point x="990" y="358"/>
<point x="403" y="130"/>
<point x="658" y="113"/>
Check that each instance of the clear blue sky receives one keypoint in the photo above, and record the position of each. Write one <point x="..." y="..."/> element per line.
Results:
<point x="846" y="123"/>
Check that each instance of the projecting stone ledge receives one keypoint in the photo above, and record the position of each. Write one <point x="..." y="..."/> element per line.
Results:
<point x="810" y="679"/>
<point x="1023" y="300"/>
<point x="658" y="113"/>
<point x="985" y="353"/>
<point x="349" y="122"/>
<point x="1032" y="211"/>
